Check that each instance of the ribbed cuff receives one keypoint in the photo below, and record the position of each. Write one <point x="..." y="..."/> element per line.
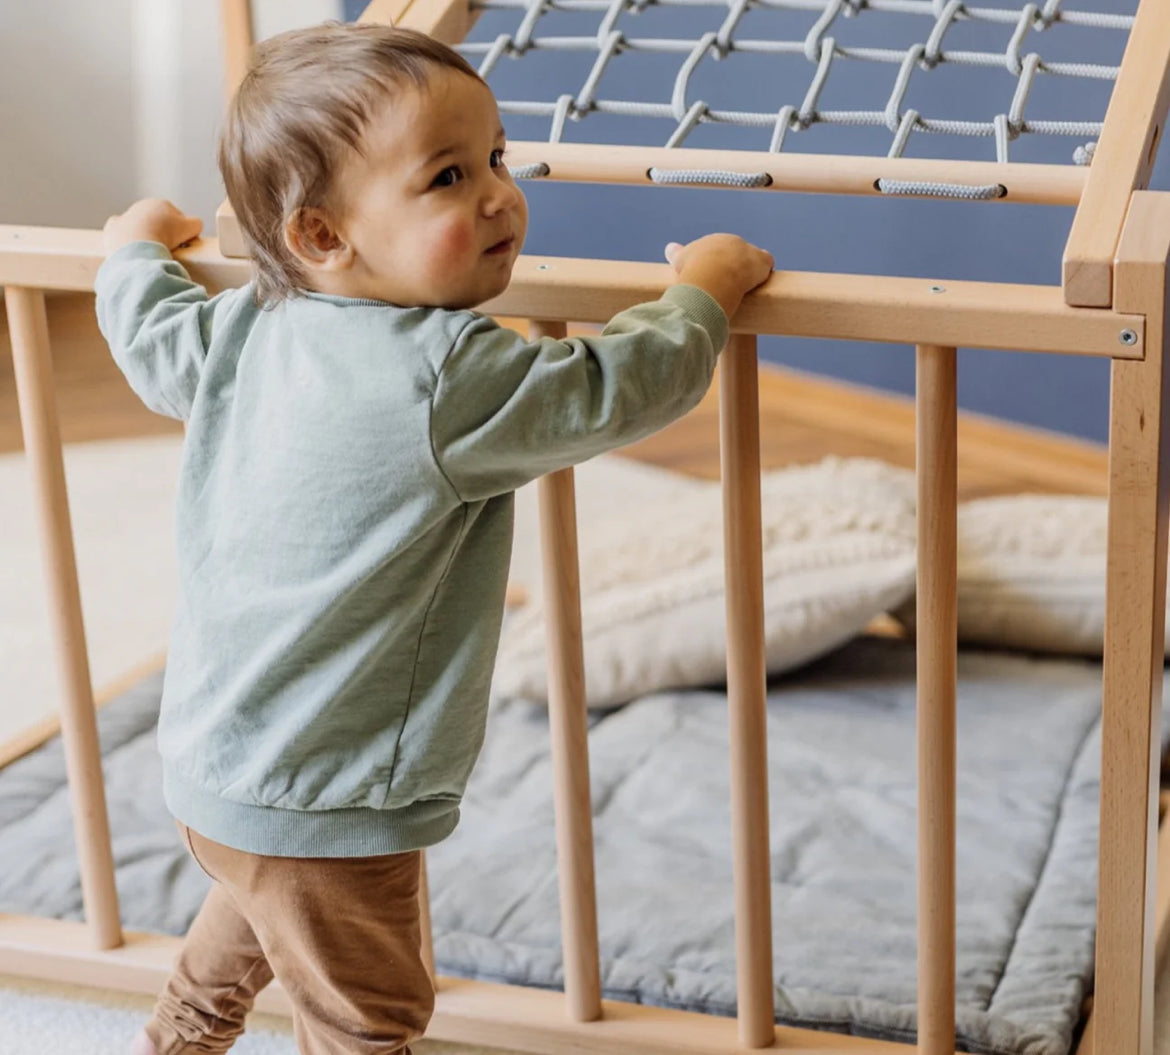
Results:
<point x="703" y="308"/>
<point x="131" y="251"/>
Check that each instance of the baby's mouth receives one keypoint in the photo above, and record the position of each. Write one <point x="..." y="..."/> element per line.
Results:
<point x="500" y="247"/>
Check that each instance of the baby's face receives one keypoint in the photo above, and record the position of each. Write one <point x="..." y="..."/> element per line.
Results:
<point x="430" y="210"/>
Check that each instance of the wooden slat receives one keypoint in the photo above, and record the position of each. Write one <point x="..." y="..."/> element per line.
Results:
<point x="29" y="333"/>
<point x="811" y="173"/>
<point x="1125" y="157"/>
<point x="800" y="304"/>
<point x="569" y="733"/>
<point x="851" y="307"/>
<point x="1135" y="609"/>
<point x="937" y="647"/>
<point x="229" y="233"/>
<point x="235" y="27"/>
<point x="385" y="12"/>
<point x="803" y="418"/>
<point x="747" y="689"/>
<point x="61" y="258"/>
<point x="816" y="173"/>
<point x="50" y="257"/>
<point x="447" y="20"/>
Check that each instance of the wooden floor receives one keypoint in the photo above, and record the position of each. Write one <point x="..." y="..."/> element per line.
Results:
<point x="803" y="418"/>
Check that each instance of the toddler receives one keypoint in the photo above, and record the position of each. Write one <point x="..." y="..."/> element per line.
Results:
<point x="354" y="435"/>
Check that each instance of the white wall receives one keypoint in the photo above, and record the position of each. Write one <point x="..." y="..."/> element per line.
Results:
<point x="66" y="145"/>
<point x="104" y="102"/>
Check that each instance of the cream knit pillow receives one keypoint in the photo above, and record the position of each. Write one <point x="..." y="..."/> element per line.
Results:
<point x="1032" y="573"/>
<point x="838" y="550"/>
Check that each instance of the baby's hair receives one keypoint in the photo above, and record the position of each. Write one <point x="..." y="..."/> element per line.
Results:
<point x="306" y="100"/>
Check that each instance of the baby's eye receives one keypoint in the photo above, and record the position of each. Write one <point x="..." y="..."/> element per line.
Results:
<point x="497" y="158"/>
<point x="448" y="177"/>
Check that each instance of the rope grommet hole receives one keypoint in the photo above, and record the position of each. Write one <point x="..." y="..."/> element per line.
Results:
<point x="708" y="178"/>
<point x="927" y="189"/>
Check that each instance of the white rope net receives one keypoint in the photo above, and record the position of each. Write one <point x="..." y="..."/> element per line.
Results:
<point x="811" y="36"/>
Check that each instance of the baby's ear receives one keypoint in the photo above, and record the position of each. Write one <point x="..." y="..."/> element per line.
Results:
<point x="312" y="239"/>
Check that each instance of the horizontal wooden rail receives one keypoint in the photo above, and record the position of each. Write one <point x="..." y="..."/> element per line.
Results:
<point x="1026" y="184"/>
<point x="513" y="1017"/>
<point x="800" y="304"/>
<point x="850" y="307"/>
<point x="813" y="173"/>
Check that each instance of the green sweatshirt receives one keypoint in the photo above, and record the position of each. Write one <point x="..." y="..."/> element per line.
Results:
<point x="344" y="532"/>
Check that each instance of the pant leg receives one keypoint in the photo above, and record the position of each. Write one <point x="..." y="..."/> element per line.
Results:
<point x="219" y="971"/>
<point x="343" y="938"/>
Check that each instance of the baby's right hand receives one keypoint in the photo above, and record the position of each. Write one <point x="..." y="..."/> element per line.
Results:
<point x="723" y="265"/>
<point x="150" y="220"/>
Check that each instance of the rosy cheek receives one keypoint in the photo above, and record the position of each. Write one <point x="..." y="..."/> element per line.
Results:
<point x="455" y="243"/>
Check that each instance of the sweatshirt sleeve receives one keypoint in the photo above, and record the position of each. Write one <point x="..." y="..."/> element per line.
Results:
<point x="507" y="410"/>
<point x="157" y="322"/>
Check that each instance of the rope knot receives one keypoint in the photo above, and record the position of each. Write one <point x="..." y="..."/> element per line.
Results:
<point x="813" y="45"/>
<point x="932" y="50"/>
<point x="1048" y="14"/>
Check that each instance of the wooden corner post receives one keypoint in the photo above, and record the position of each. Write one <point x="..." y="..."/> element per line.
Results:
<point x="1124" y="160"/>
<point x="1139" y="494"/>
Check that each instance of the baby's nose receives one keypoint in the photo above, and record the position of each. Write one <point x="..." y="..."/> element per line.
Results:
<point x="502" y="196"/>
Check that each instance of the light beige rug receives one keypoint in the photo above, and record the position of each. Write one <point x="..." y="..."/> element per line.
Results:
<point x="121" y="499"/>
<point x="40" y="1018"/>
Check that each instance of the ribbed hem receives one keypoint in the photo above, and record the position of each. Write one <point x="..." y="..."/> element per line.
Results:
<point x="703" y="308"/>
<point x="274" y="832"/>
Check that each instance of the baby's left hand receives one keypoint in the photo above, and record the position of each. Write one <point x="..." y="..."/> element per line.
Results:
<point x="150" y="220"/>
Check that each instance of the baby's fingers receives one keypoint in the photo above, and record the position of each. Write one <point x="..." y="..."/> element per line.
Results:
<point x="187" y="229"/>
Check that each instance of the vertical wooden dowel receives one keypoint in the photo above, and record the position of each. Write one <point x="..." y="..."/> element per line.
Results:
<point x="424" y="919"/>
<point x="28" y="329"/>
<point x="569" y="731"/>
<point x="1135" y="615"/>
<point x="937" y="621"/>
<point x="235" y="26"/>
<point x="739" y="417"/>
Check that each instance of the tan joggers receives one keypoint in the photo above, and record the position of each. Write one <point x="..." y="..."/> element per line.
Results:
<point x="340" y="934"/>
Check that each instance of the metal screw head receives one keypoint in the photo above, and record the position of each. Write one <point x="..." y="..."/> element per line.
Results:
<point x="1127" y="337"/>
<point x="938" y="289"/>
